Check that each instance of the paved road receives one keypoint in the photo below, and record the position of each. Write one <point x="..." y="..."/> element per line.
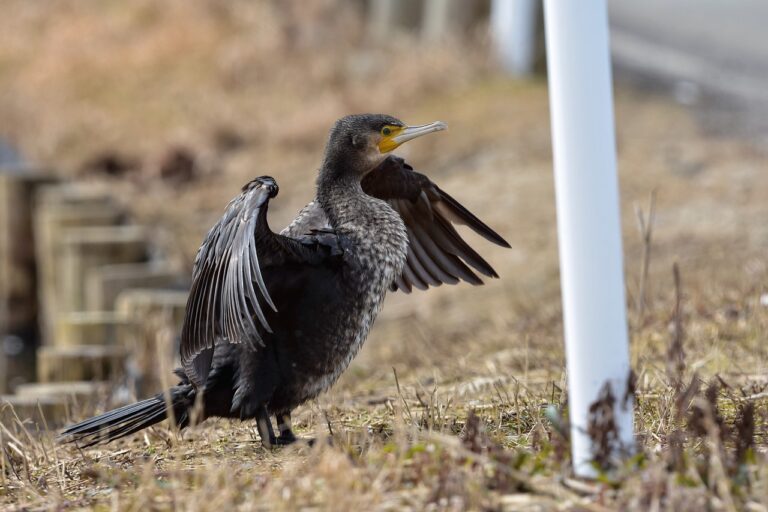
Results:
<point x="698" y="49"/>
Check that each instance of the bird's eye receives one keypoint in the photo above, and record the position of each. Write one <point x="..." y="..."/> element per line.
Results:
<point x="386" y="131"/>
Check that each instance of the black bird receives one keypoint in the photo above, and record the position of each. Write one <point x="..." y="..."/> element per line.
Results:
<point x="272" y="320"/>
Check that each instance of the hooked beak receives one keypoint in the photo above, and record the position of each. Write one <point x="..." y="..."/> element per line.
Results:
<point x="402" y="135"/>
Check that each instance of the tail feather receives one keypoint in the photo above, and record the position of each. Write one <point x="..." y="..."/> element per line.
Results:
<point x="131" y="418"/>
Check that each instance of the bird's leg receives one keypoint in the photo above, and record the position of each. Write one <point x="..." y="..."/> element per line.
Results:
<point x="284" y="426"/>
<point x="264" y="426"/>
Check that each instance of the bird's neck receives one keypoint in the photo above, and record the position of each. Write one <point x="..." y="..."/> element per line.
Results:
<point x="379" y="241"/>
<point x="341" y="197"/>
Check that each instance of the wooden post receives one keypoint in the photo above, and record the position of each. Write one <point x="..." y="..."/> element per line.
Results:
<point x="448" y="17"/>
<point x="79" y="363"/>
<point x="57" y="209"/>
<point x="386" y="17"/>
<point x="84" y="249"/>
<point x="105" y="283"/>
<point x="19" y="333"/>
<point x="90" y="328"/>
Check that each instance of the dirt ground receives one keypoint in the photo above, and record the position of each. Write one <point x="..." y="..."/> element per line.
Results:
<point x="456" y="401"/>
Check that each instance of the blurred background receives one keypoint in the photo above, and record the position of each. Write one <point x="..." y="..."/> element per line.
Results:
<point x="126" y="127"/>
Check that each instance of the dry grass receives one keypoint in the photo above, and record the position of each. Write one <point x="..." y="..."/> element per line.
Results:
<point x="82" y="77"/>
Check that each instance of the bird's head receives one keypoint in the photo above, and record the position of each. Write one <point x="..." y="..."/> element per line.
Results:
<point x="360" y="142"/>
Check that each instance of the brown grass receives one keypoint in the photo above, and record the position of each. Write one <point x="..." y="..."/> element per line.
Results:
<point x="82" y="77"/>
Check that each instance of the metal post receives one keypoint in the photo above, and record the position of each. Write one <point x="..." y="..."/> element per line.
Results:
<point x="513" y="24"/>
<point x="589" y="229"/>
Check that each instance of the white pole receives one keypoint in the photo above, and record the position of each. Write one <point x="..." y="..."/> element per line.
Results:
<point x="589" y="229"/>
<point x="513" y="25"/>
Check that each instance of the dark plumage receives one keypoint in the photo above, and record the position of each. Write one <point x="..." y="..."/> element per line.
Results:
<point x="272" y="319"/>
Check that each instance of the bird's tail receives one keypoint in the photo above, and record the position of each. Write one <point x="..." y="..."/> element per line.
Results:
<point x="132" y="418"/>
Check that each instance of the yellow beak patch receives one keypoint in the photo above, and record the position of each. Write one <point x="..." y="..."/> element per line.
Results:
<point x="388" y="134"/>
<point x="394" y="136"/>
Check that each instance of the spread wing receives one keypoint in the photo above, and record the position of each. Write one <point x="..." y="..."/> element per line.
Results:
<point x="436" y="252"/>
<point x="228" y="297"/>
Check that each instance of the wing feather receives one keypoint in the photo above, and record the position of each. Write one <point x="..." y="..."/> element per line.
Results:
<point x="419" y="266"/>
<point x="401" y="284"/>
<point x="434" y="262"/>
<point x="437" y="254"/>
<point x="410" y="275"/>
<point x="453" y="265"/>
<point x="455" y="212"/>
<point x="223" y="303"/>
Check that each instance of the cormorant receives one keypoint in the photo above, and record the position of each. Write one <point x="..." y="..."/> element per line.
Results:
<point x="272" y="320"/>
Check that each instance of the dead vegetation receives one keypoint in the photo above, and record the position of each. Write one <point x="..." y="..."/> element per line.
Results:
<point x="473" y="416"/>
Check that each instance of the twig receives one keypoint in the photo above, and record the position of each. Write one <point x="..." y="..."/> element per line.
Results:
<point x="45" y="425"/>
<point x="173" y="421"/>
<point x="718" y="477"/>
<point x="675" y="353"/>
<point x="753" y="398"/>
<point x="31" y="443"/>
<point x="399" y="392"/>
<point x="6" y="456"/>
<point x="23" y="457"/>
<point x="2" y="462"/>
<point x="59" y="471"/>
<point x="328" y="424"/>
<point x="646" y="231"/>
